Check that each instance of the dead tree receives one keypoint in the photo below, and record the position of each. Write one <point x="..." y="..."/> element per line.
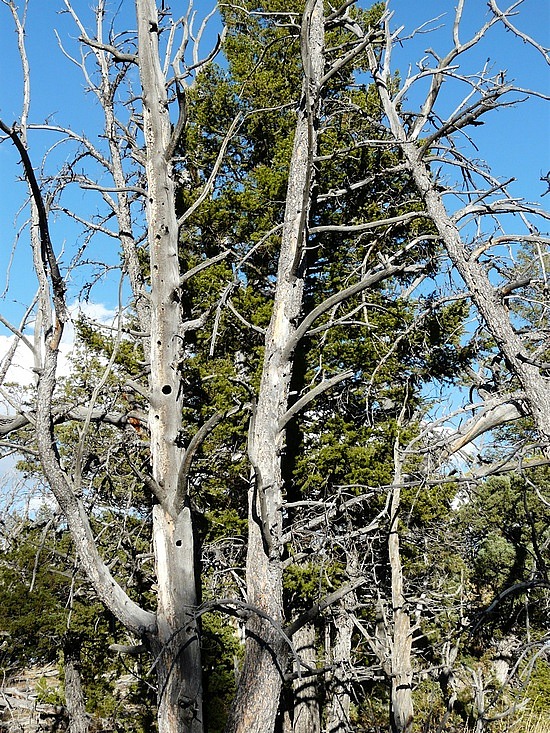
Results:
<point x="426" y="143"/>
<point x="147" y="136"/>
<point x="171" y="632"/>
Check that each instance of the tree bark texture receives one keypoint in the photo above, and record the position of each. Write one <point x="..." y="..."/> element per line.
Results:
<point x="176" y="645"/>
<point x="257" y="700"/>
<point x="177" y="642"/>
<point x="340" y="659"/>
<point x="74" y="694"/>
<point x="401" y="704"/>
<point x="307" y="713"/>
<point x="173" y="633"/>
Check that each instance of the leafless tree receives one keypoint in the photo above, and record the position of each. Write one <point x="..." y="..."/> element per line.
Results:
<point x="171" y="632"/>
<point x="152" y="71"/>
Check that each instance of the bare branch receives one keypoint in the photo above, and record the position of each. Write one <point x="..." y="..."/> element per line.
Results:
<point x="504" y="16"/>
<point x="373" y="278"/>
<point x="365" y="226"/>
<point x="115" y="52"/>
<point x="215" y="170"/>
<point x="204" y="265"/>
<point x="315" y="610"/>
<point x="495" y="413"/>
<point x="322" y="387"/>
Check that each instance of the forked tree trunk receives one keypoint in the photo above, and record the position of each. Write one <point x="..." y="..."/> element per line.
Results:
<point x="257" y="700"/>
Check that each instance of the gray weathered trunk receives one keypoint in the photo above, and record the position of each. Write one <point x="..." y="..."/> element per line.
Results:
<point x="176" y="643"/>
<point x="339" y="656"/>
<point x="401" y="704"/>
<point x="486" y="298"/>
<point x="257" y="700"/>
<point x="306" y="713"/>
<point x="173" y="633"/>
<point x="74" y="694"/>
<point x="340" y="659"/>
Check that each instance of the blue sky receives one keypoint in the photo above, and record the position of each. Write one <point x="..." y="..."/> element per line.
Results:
<point x="516" y="142"/>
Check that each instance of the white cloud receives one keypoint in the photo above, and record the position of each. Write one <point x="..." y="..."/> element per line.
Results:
<point x="95" y="311"/>
<point x="20" y="494"/>
<point x="15" y="491"/>
<point x="21" y="368"/>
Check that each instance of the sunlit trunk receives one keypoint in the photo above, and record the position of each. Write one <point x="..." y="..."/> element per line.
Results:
<point x="306" y="714"/>
<point x="176" y="644"/>
<point x="258" y="695"/>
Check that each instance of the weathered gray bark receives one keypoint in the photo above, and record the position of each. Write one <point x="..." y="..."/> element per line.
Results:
<point x="257" y="700"/>
<point x="50" y="321"/>
<point x="488" y="300"/>
<point x="392" y="641"/>
<point x="172" y="632"/>
<point x="74" y="693"/>
<point x="306" y="712"/>
<point x="176" y="645"/>
<point x="176" y="642"/>
<point x="401" y="705"/>
<point x="340" y="658"/>
<point x="53" y="316"/>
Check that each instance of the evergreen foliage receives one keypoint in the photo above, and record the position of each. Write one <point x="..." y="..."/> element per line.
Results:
<point x="474" y="559"/>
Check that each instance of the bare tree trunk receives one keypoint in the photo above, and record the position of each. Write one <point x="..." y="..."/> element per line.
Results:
<point x="338" y="713"/>
<point x="74" y="694"/>
<point x="489" y="302"/>
<point x="173" y="632"/>
<point x="177" y="643"/>
<point x="487" y="299"/>
<point x="257" y="699"/>
<point x="339" y="697"/>
<point x="401" y="705"/>
<point x="307" y="714"/>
